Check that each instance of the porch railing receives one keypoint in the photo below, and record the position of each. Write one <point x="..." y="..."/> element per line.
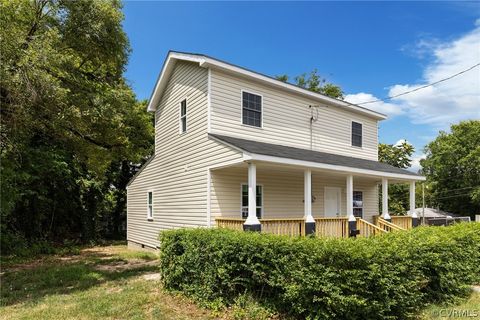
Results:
<point x="404" y="222"/>
<point x="331" y="227"/>
<point x="290" y="227"/>
<point x="324" y="227"/>
<point x="368" y="229"/>
<point x="388" y="226"/>
<point x="230" y="223"/>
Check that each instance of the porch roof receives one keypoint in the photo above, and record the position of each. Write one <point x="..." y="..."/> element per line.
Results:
<point x="279" y="151"/>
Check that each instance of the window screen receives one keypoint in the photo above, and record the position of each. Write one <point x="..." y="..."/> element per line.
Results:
<point x="245" y="201"/>
<point x="356" y="134"/>
<point x="183" y="116"/>
<point x="252" y="109"/>
<point x="150" y="205"/>
<point x="358" y="204"/>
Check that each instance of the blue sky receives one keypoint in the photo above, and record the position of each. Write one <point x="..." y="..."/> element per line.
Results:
<point x="370" y="49"/>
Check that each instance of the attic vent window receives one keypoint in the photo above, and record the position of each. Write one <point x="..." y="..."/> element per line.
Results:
<point x="252" y="109"/>
<point x="356" y="134"/>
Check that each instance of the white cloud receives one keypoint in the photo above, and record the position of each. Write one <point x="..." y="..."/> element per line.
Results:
<point x="400" y="142"/>
<point x="447" y="102"/>
<point x="416" y="163"/>
<point x="389" y="109"/>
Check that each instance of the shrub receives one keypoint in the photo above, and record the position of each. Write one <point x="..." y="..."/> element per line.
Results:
<point x="386" y="277"/>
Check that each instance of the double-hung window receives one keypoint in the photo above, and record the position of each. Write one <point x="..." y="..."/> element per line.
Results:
<point x="183" y="116"/>
<point x="150" y="205"/>
<point x="245" y="201"/>
<point x="251" y="109"/>
<point x="356" y="134"/>
<point x="358" y="204"/>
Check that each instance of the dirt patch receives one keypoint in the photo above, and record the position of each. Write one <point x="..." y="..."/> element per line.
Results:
<point x="476" y="288"/>
<point x="151" y="276"/>
<point x="124" y="265"/>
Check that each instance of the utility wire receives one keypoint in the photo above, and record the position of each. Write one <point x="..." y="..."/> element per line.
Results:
<point x="450" y="190"/>
<point x="422" y="87"/>
<point x="453" y="196"/>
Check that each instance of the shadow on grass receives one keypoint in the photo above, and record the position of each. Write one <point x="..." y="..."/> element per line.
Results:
<point x="64" y="276"/>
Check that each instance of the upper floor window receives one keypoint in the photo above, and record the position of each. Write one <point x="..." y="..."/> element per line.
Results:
<point x="252" y="109"/>
<point x="150" y="205"/>
<point x="183" y="116"/>
<point x="356" y="134"/>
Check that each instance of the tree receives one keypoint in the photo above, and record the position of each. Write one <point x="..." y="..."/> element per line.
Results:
<point x="398" y="155"/>
<point x="314" y="82"/>
<point x="452" y="168"/>
<point x="70" y="124"/>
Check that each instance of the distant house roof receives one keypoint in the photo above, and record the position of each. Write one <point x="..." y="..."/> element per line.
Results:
<point x="207" y="62"/>
<point x="274" y="150"/>
<point x="432" y="213"/>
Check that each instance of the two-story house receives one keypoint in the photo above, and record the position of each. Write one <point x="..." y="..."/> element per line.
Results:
<point x="234" y="144"/>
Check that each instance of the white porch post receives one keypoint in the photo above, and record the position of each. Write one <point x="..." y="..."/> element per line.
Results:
<point x="385" y="214"/>
<point x="352" y="221"/>
<point x="412" y="212"/>
<point x="307" y="199"/>
<point x="252" y="223"/>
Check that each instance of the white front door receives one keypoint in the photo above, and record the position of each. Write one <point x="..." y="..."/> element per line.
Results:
<point x="332" y="202"/>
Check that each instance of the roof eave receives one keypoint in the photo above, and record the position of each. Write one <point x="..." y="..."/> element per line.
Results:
<point x="212" y="63"/>
<point x="344" y="169"/>
<point x="208" y="62"/>
<point x="167" y="68"/>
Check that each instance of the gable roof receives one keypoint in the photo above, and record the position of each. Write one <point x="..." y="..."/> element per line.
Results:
<point x="338" y="161"/>
<point x="209" y="62"/>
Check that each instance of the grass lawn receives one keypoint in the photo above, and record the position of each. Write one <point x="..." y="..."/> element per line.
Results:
<point x="109" y="282"/>
<point x="469" y="309"/>
<point x="112" y="282"/>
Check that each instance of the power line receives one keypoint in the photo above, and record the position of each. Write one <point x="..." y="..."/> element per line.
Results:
<point x="422" y="87"/>
<point x="453" y="196"/>
<point x="450" y="190"/>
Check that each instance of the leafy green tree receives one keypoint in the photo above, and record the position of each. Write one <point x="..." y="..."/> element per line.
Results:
<point x="452" y="168"/>
<point x="70" y="124"/>
<point x="314" y="82"/>
<point x="399" y="156"/>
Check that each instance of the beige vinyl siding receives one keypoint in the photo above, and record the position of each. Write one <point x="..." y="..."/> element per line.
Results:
<point x="286" y="119"/>
<point x="178" y="173"/>
<point x="283" y="192"/>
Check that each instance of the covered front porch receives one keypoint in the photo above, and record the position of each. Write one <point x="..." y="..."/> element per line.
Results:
<point x="298" y="200"/>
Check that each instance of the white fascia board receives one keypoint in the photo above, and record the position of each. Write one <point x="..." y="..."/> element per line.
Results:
<point x="343" y="169"/>
<point x="208" y="62"/>
<point x="165" y="74"/>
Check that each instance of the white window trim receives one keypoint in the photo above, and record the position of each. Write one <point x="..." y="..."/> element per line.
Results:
<point x="180" y="117"/>
<point x="261" y="108"/>
<point x="149" y="217"/>
<point x="246" y="207"/>
<point x="363" y="203"/>
<point x="351" y="134"/>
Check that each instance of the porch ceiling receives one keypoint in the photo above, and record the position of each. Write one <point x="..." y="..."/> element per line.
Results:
<point x="320" y="161"/>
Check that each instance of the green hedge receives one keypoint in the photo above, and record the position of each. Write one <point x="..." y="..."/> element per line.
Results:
<point x="385" y="277"/>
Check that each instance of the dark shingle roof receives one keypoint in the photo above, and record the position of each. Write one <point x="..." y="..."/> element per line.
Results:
<point x="276" y="150"/>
